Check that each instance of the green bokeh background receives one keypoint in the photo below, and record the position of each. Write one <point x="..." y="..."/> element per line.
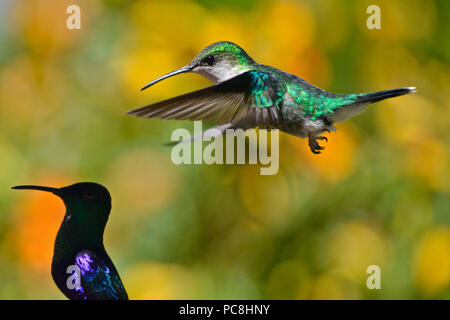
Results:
<point x="378" y="194"/>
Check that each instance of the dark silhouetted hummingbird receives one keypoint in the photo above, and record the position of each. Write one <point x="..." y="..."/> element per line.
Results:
<point x="247" y="94"/>
<point x="81" y="268"/>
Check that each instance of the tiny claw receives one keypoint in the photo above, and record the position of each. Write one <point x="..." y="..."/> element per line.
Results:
<point x="327" y="130"/>
<point x="314" y="145"/>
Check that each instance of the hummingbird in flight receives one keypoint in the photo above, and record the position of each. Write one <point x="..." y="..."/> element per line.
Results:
<point x="247" y="94"/>
<point x="79" y="255"/>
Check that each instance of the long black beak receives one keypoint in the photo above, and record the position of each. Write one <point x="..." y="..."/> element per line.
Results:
<point x="168" y="75"/>
<point x="40" y="188"/>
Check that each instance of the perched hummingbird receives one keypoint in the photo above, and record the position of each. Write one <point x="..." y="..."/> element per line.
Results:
<point x="247" y="94"/>
<point x="79" y="251"/>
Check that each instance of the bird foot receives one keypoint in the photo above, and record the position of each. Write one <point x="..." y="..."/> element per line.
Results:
<point x="314" y="144"/>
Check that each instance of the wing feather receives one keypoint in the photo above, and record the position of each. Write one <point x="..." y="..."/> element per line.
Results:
<point x="253" y="97"/>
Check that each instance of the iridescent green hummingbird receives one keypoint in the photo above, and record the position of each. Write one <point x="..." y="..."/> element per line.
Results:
<point x="81" y="268"/>
<point x="247" y="94"/>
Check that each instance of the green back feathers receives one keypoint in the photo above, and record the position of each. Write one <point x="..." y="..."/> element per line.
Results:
<point x="265" y="90"/>
<point x="316" y="104"/>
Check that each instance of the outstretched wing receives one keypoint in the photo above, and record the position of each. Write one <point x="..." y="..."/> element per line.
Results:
<point x="98" y="281"/>
<point x="252" y="97"/>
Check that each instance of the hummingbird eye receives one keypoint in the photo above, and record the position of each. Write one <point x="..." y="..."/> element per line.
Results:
<point x="88" y="195"/>
<point x="209" y="60"/>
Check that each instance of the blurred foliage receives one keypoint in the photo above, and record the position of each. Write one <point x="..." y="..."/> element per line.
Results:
<point x="378" y="194"/>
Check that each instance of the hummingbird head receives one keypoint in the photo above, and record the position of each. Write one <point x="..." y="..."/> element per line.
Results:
<point x="218" y="62"/>
<point x="87" y="206"/>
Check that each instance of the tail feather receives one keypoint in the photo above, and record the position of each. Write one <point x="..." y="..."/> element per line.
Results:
<point x="381" y="95"/>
